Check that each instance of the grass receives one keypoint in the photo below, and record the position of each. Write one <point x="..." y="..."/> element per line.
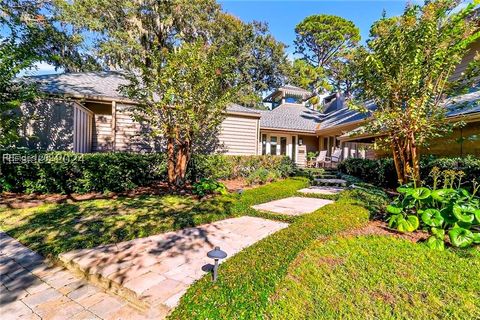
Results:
<point x="55" y="228"/>
<point x="373" y="277"/>
<point x="249" y="279"/>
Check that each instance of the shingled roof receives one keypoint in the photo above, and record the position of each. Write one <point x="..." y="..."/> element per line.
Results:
<point x="291" y="117"/>
<point x="288" y="117"/>
<point x="103" y="84"/>
<point x="94" y="85"/>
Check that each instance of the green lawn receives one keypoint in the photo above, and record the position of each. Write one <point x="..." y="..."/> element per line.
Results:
<point x="248" y="280"/>
<point x="373" y="277"/>
<point x="55" y="228"/>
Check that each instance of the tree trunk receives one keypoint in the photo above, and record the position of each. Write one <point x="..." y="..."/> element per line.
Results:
<point x="171" y="161"/>
<point x="415" y="161"/>
<point x="406" y="159"/>
<point x="183" y="156"/>
<point x="397" y="159"/>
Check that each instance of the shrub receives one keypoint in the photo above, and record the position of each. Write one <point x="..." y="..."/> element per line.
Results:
<point x="381" y="172"/>
<point x="470" y="166"/>
<point x="440" y="210"/>
<point x="261" y="176"/>
<point x="68" y="172"/>
<point x="208" y="186"/>
<point x="230" y="167"/>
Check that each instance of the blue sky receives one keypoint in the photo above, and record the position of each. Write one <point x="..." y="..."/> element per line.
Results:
<point x="282" y="16"/>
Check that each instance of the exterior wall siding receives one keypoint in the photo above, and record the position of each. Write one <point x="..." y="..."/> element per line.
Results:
<point x="130" y="135"/>
<point x="102" y="133"/>
<point x="474" y="49"/>
<point x="461" y="142"/>
<point x="239" y="135"/>
<point x="48" y="125"/>
<point x="82" y="129"/>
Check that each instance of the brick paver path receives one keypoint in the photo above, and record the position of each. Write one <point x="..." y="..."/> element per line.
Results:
<point x="293" y="206"/>
<point x="31" y="288"/>
<point x="156" y="271"/>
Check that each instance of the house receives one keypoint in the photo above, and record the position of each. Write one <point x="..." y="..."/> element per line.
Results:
<point x="87" y="113"/>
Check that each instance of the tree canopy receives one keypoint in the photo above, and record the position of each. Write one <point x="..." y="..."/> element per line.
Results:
<point x="30" y="33"/>
<point x="186" y="60"/>
<point x="406" y="68"/>
<point x="324" y="43"/>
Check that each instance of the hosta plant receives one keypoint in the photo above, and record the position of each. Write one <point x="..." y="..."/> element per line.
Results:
<point x="443" y="210"/>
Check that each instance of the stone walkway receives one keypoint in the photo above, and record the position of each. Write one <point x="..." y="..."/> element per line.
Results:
<point x="154" y="272"/>
<point x="293" y="206"/>
<point x="31" y="288"/>
<point x="322" y="190"/>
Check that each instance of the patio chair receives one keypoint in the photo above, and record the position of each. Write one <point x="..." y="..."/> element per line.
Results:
<point x="334" y="159"/>
<point x="320" y="159"/>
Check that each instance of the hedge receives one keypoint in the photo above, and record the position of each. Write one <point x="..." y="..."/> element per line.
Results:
<point x="248" y="280"/>
<point x="381" y="172"/>
<point x="68" y="172"/>
<point x="230" y="167"/>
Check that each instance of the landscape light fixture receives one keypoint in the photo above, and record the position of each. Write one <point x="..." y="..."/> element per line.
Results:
<point x="216" y="254"/>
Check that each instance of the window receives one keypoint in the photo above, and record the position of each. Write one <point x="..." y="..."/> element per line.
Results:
<point x="283" y="146"/>
<point x="264" y="144"/>
<point x="291" y="99"/>
<point x="273" y="145"/>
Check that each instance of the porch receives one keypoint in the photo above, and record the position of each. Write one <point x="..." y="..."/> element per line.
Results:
<point x="302" y="147"/>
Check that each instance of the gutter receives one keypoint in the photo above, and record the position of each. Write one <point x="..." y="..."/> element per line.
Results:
<point x="311" y="132"/>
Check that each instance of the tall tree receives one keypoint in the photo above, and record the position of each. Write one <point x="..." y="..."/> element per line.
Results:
<point x="117" y="26"/>
<point x="14" y="57"/>
<point x="324" y="43"/>
<point x="185" y="60"/>
<point x="30" y="33"/>
<point x="37" y="24"/>
<point x="262" y="64"/>
<point x="405" y="70"/>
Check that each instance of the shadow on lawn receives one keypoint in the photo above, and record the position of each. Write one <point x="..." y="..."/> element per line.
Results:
<point x="60" y="228"/>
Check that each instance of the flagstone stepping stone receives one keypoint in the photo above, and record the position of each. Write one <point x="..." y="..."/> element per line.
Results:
<point x="293" y="206"/>
<point x="330" y="182"/>
<point x="322" y="190"/>
<point x="154" y="272"/>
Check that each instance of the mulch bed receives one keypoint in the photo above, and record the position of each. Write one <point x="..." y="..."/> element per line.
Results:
<point x="377" y="227"/>
<point x="236" y="184"/>
<point x="20" y="201"/>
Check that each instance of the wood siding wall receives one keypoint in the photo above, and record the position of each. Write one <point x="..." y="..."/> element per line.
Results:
<point x="474" y="49"/>
<point x="460" y="143"/>
<point x="82" y="129"/>
<point x="130" y="135"/>
<point x="47" y="125"/>
<point x="239" y="135"/>
<point x="102" y="133"/>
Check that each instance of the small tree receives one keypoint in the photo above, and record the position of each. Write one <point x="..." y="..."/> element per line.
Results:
<point x="183" y="95"/>
<point x="405" y="70"/>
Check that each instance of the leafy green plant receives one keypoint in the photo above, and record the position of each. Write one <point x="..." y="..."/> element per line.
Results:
<point x="259" y="176"/>
<point x="209" y="186"/>
<point x="448" y="210"/>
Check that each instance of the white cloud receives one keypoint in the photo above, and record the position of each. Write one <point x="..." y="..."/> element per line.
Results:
<point x="40" y="68"/>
